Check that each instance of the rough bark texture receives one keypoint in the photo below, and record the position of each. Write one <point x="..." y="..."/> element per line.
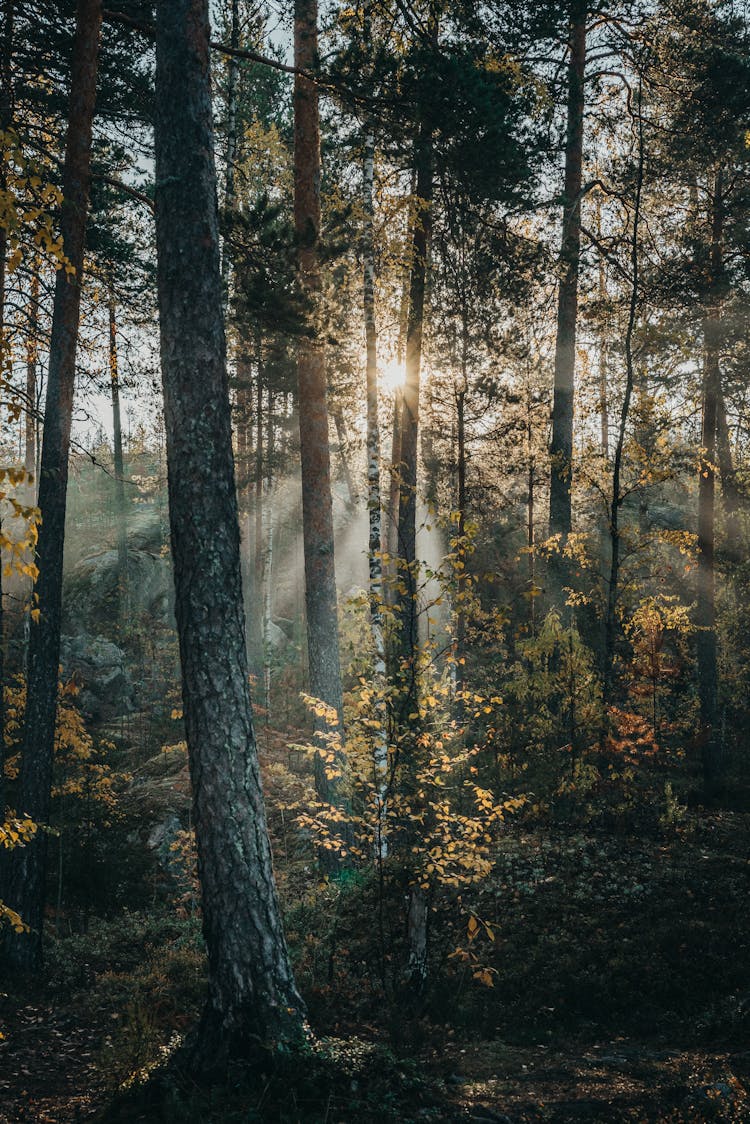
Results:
<point x="374" y="506"/>
<point x="317" y="508"/>
<point x="27" y="893"/>
<point x="252" y="990"/>
<point x="121" y="513"/>
<point x="705" y="616"/>
<point x="561" y="450"/>
<point x="230" y="196"/>
<point x="32" y="348"/>
<point x="613" y="588"/>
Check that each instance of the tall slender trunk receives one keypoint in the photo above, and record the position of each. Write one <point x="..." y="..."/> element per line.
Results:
<point x="407" y="504"/>
<point x="121" y="513"/>
<point x="461" y="586"/>
<point x="374" y="507"/>
<point x="29" y="865"/>
<point x="346" y="471"/>
<point x="613" y="590"/>
<point x="705" y="615"/>
<point x="266" y="577"/>
<point x="317" y="507"/>
<point x="230" y="196"/>
<point x="407" y="606"/>
<point x="256" y="619"/>
<point x="252" y="994"/>
<point x="6" y="117"/>
<point x="731" y="493"/>
<point x="32" y="354"/>
<point x="561" y="449"/>
<point x="394" y="488"/>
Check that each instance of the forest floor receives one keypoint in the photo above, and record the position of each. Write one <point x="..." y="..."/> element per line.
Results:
<point x="621" y="992"/>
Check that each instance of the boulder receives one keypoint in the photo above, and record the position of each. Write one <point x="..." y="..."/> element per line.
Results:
<point x="100" y="668"/>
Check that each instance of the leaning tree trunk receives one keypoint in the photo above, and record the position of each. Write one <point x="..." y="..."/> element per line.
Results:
<point x="561" y="449"/>
<point x="252" y="994"/>
<point x="317" y="506"/>
<point x="29" y="863"/>
<point x="705" y="616"/>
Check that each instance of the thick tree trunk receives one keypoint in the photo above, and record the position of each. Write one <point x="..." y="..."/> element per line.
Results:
<point x="705" y="616"/>
<point x="317" y="507"/>
<point x="29" y="862"/>
<point x="121" y="511"/>
<point x="252" y="991"/>
<point x="374" y="506"/>
<point x="561" y="450"/>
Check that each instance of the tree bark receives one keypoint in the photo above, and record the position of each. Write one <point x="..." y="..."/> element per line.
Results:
<point x="32" y="353"/>
<point x="317" y="507"/>
<point x="705" y="617"/>
<point x="27" y="895"/>
<point x="252" y="994"/>
<point x="407" y="505"/>
<point x="613" y="588"/>
<point x="374" y="506"/>
<point x="230" y="198"/>
<point x="121" y="513"/>
<point x="561" y="450"/>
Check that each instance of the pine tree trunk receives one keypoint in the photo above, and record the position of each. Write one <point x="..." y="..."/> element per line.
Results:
<point x="705" y="616"/>
<point x="561" y="450"/>
<point x="374" y="507"/>
<point x="317" y="507"/>
<point x="28" y="876"/>
<point x="266" y="576"/>
<point x="121" y="511"/>
<point x="613" y="588"/>
<point x="32" y="352"/>
<point x="252" y="990"/>
<point x="394" y="476"/>
<point x="731" y="494"/>
<point x="407" y="504"/>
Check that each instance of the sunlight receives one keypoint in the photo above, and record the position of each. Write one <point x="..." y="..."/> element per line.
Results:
<point x="392" y="375"/>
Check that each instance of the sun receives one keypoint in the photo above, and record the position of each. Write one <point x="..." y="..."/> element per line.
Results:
<point x="392" y="376"/>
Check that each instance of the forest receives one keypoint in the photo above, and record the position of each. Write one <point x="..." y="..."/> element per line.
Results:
<point x="375" y="576"/>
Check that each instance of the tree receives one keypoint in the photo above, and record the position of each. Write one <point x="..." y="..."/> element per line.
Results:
<point x="27" y="892"/>
<point x="561" y="448"/>
<point x="252" y="994"/>
<point x="317" y="508"/>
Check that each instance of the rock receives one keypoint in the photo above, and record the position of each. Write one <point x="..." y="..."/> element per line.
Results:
<point x="91" y="589"/>
<point x="100" y="668"/>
